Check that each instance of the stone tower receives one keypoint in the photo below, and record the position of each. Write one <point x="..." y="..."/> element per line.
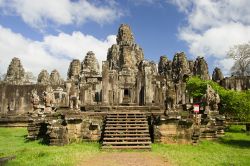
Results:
<point x="43" y="78"/>
<point x="217" y="75"/>
<point x="55" y="78"/>
<point x="125" y="54"/>
<point x="201" y="68"/>
<point x="15" y="73"/>
<point x="74" y="70"/>
<point x="90" y="64"/>
<point x="180" y="67"/>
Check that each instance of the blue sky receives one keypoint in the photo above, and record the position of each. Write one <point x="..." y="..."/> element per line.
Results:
<point x="48" y="34"/>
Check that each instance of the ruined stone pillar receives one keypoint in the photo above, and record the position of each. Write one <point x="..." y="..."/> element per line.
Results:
<point x="4" y="101"/>
<point x="138" y="82"/>
<point x="105" y="83"/>
<point x="68" y="86"/>
<point x="121" y="92"/>
<point x="114" y="85"/>
<point x="148" y="86"/>
<point x="21" y="105"/>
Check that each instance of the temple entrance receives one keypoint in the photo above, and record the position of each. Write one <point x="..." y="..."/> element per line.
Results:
<point x="126" y="92"/>
<point x="126" y="96"/>
<point x="141" y="98"/>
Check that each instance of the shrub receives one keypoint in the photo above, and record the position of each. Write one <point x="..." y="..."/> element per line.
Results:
<point x="233" y="103"/>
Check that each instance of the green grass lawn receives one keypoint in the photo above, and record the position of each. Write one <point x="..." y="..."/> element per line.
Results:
<point x="233" y="149"/>
<point x="13" y="142"/>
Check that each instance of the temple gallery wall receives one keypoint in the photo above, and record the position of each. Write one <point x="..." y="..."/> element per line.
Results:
<point x="131" y="102"/>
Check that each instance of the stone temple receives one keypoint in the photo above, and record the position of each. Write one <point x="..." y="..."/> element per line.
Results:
<point x="128" y="103"/>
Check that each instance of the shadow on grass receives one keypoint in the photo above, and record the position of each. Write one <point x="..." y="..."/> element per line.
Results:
<point x="233" y="130"/>
<point x="236" y="143"/>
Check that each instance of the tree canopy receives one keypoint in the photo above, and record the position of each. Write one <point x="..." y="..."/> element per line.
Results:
<point x="233" y="103"/>
<point x="241" y="54"/>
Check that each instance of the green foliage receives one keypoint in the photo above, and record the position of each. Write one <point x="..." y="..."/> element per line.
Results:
<point x="196" y="87"/>
<point x="233" y="103"/>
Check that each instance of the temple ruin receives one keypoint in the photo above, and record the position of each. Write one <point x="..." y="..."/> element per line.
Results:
<point x="128" y="103"/>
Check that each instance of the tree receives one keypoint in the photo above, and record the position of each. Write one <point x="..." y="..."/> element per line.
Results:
<point x="233" y="103"/>
<point x="241" y="54"/>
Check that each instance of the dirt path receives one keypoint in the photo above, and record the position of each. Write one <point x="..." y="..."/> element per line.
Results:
<point x="126" y="159"/>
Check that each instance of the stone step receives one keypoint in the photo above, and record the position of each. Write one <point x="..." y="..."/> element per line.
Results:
<point x="126" y="117"/>
<point x="127" y="147"/>
<point x="126" y="113"/>
<point x="126" y="131"/>
<point x="126" y="143"/>
<point x="128" y="122"/>
<point x="126" y="128"/>
<point x="127" y="138"/>
<point x="127" y="125"/>
<point x="117" y="118"/>
<point x="126" y="135"/>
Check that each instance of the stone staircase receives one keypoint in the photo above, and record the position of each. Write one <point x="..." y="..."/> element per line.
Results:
<point x="126" y="130"/>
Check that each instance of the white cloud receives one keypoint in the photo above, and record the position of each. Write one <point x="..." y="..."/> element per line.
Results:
<point x="225" y="65"/>
<point x="40" y="13"/>
<point x="53" y="52"/>
<point x="216" y="40"/>
<point x="214" y="26"/>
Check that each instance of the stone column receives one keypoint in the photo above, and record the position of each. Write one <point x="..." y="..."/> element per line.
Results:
<point x="138" y="88"/>
<point x="121" y="95"/>
<point x="148" y="86"/>
<point x="21" y="105"/>
<point x="115" y="87"/>
<point x="105" y="83"/>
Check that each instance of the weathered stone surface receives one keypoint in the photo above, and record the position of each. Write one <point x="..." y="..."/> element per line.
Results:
<point x="57" y="132"/>
<point x="165" y="67"/>
<point x="90" y="64"/>
<point x="35" y="100"/>
<point x="180" y="67"/>
<point x="74" y="97"/>
<point x="125" y="36"/>
<point x="74" y="70"/>
<point x="170" y="101"/>
<point x="49" y="99"/>
<point x="201" y="69"/>
<point x="15" y="73"/>
<point x="236" y="83"/>
<point x="125" y="54"/>
<point x="43" y="78"/>
<point x="92" y="128"/>
<point x="173" y="131"/>
<point x="191" y="66"/>
<point x="55" y="78"/>
<point x="217" y="75"/>
<point x="211" y="99"/>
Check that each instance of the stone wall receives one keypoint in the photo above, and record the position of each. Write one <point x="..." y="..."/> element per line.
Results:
<point x="61" y="128"/>
<point x="236" y="83"/>
<point x="173" y="131"/>
<point x="16" y="99"/>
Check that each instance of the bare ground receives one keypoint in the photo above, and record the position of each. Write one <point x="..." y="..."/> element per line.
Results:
<point x="126" y="159"/>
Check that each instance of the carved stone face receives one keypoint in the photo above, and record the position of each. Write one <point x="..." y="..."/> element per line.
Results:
<point x="90" y="63"/>
<point x="74" y="69"/>
<point x="125" y="36"/>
